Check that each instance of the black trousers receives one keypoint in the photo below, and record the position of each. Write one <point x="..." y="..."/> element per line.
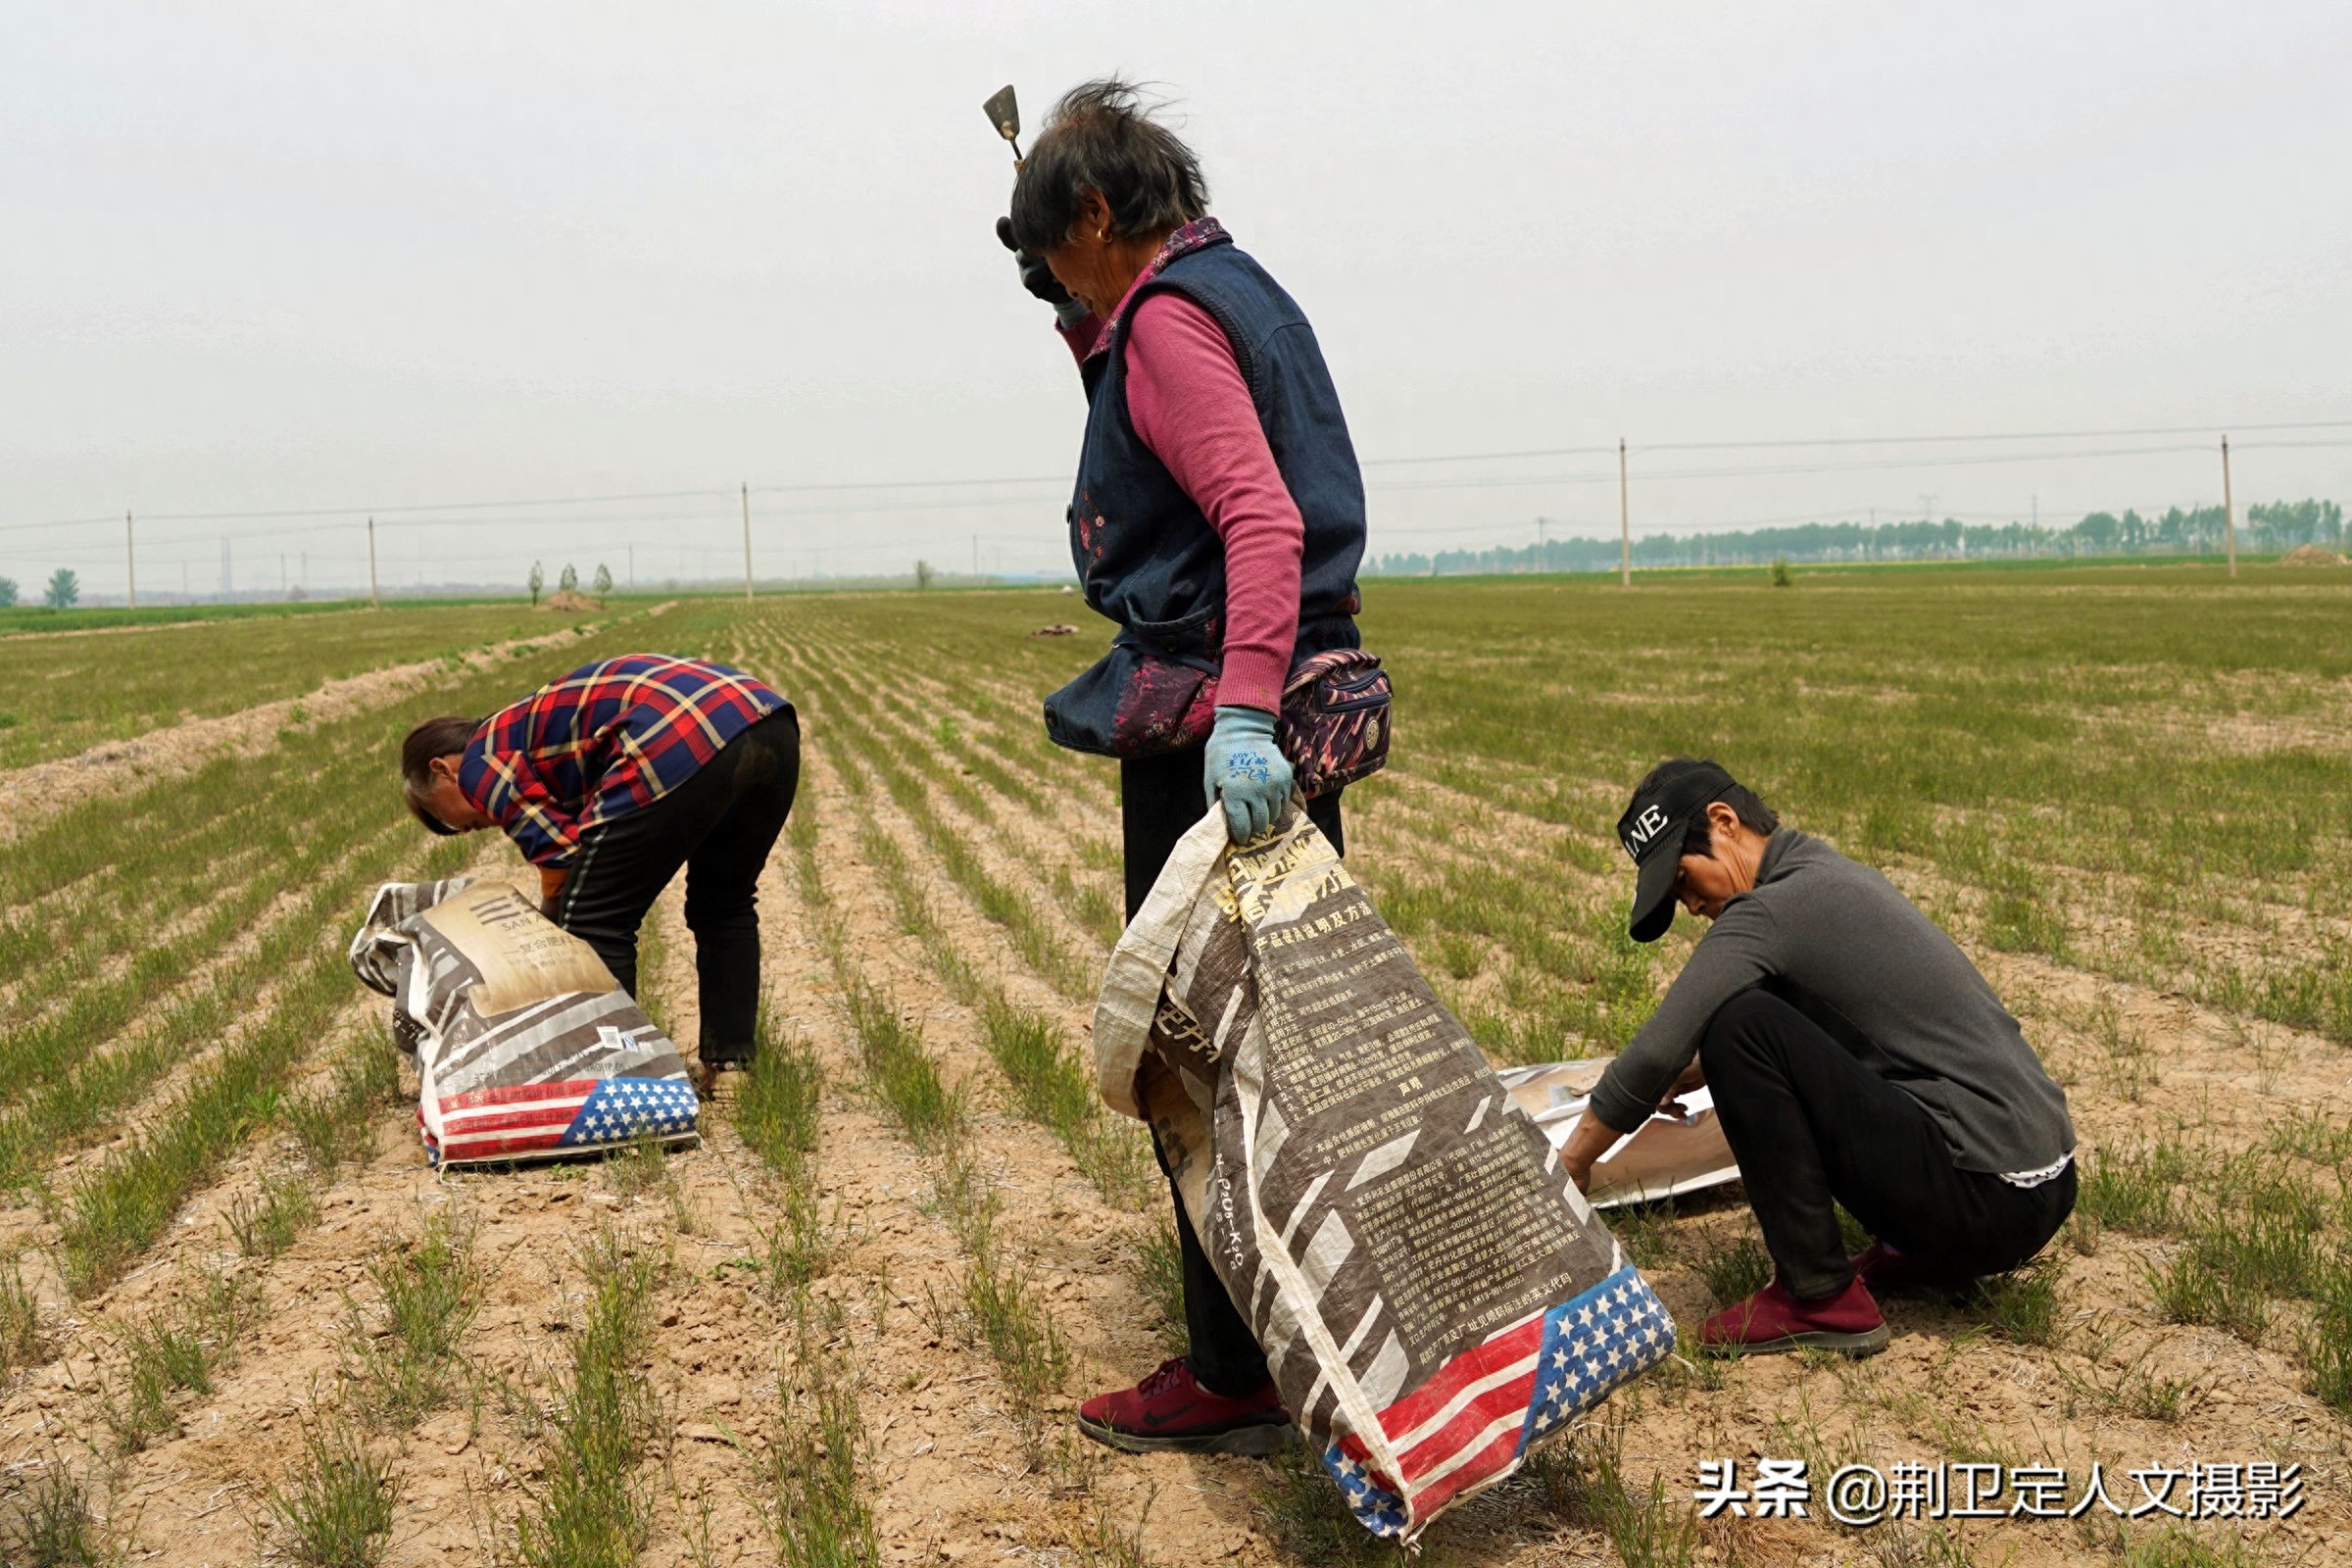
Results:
<point x="1160" y="801"/>
<point x="1811" y="1123"/>
<point x="719" y="825"/>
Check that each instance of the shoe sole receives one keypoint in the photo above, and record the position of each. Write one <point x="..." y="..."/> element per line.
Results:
<point x="1853" y="1345"/>
<point x="1252" y="1442"/>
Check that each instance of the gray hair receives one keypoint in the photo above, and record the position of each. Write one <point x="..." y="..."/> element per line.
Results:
<point x="1099" y="137"/>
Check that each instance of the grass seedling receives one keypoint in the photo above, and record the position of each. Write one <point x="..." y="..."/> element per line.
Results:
<point x="173" y="1352"/>
<point x="1002" y="1308"/>
<point x="429" y="1293"/>
<point x="901" y="1073"/>
<point x="775" y="1111"/>
<point x="48" y="1520"/>
<point x="2179" y="1548"/>
<point x="1645" y="1231"/>
<point x="819" y="1516"/>
<point x="2133" y="1388"/>
<point x="1735" y="1272"/>
<point x="776" y="1114"/>
<point x="1053" y="1087"/>
<point x="1308" y="1518"/>
<point x="638" y="1166"/>
<point x="1158" y="1267"/>
<point x="332" y="1126"/>
<point x="24" y="1340"/>
<point x="1581" y="1480"/>
<point x="2134" y="1190"/>
<point x="2187" y="1290"/>
<point x="335" y="1509"/>
<point x="265" y="1224"/>
<point x="2021" y="1306"/>
<point x="2327" y="1344"/>
<point x="594" y="1509"/>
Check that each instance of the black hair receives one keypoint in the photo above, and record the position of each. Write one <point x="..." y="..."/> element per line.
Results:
<point x="444" y="736"/>
<point x="1699" y="838"/>
<point x="1100" y="137"/>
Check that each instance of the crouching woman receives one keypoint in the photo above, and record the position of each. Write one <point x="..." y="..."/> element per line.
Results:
<point x="1854" y="1055"/>
<point x="612" y="779"/>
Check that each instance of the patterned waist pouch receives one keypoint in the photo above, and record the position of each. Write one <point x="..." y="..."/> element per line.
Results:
<point x="1151" y="695"/>
<point x="1333" y="724"/>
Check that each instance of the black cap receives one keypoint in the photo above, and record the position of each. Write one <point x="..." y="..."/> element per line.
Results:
<point x="1651" y="831"/>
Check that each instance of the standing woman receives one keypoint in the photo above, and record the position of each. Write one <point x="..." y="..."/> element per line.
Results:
<point x="1218" y="519"/>
<point x="610" y="781"/>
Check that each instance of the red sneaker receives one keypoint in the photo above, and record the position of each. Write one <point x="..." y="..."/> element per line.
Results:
<point x="1889" y="1272"/>
<point x="1168" y="1410"/>
<point x="1772" y="1321"/>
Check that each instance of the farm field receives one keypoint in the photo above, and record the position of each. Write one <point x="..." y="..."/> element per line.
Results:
<point x="241" y="1316"/>
<point x="72" y="690"/>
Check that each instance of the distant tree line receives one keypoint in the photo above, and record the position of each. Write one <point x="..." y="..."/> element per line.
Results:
<point x="2262" y="529"/>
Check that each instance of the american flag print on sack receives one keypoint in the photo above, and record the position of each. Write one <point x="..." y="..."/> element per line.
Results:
<point x="524" y="1047"/>
<point x="1473" y="1422"/>
<point x="1433" y="1294"/>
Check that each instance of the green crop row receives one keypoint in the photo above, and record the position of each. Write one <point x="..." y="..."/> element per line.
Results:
<point x="65" y="693"/>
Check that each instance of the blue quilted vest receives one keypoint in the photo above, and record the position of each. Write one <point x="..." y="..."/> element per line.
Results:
<point x="1145" y="553"/>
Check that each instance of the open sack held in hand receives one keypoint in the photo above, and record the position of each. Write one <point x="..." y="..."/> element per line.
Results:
<point x="526" y="1047"/>
<point x="1432" y="1293"/>
<point x="1681" y="1148"/>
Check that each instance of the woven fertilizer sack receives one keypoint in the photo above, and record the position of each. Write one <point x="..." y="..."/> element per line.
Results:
<point x="1433" y="1293"/>
<point x="526" y="1047"/>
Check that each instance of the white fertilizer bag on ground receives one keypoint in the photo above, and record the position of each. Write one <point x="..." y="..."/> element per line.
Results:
<point x="1680" y="1149"/>
<point x="1433" y="1293"/>
<point x="525" y="1048"/>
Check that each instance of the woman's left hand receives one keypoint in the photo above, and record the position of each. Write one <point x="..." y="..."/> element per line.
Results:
<point x="1247" y="772"/>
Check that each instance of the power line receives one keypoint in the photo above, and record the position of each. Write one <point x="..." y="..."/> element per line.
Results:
<point x="353" y="516"/>
<point x="2012" y="435"/>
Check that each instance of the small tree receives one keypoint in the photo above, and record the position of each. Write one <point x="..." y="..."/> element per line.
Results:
<point x="1782" y="577"/>
<point x="569" y="582"/>
<point x="922" y="574"/>
<point x="8" y="592"/>
<point x="65" y="590"/>
<point x="603" y="579"/>
<point x="538" y="580"/>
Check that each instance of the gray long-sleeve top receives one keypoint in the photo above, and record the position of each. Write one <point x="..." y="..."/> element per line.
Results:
<point x="1839" y="941"/>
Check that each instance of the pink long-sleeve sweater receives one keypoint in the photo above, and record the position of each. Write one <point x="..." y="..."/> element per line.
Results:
<point x="1188" y="402"/>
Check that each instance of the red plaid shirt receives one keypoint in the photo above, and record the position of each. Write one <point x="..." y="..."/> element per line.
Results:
<point x="607" y="739"/>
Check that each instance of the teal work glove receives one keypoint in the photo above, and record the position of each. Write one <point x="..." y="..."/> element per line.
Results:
<point x="1247" y="772"/>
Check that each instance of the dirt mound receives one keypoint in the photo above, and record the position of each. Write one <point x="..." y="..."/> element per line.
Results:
<point x="2311" y="556"/>
<point x="570" y="604"/>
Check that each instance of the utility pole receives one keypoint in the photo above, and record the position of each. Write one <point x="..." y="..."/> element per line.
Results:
<point x="131" y="563"/>
<point x="228" y="592"/>
<point x="632" y="566"/>
<point x="375" y="598"/>
<point x="975" y="558"/>
<point x="1540" y="521"/>
<point x="1625" y="523"/>
<point x="2228" y="510"/>
<point x="747" y="541"/>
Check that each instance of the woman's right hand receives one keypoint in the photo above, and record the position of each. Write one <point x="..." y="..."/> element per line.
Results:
<point x="1039" y="279"/>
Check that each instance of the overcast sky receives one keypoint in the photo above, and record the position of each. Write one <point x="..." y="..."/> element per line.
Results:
<point x="291" y="257"/>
